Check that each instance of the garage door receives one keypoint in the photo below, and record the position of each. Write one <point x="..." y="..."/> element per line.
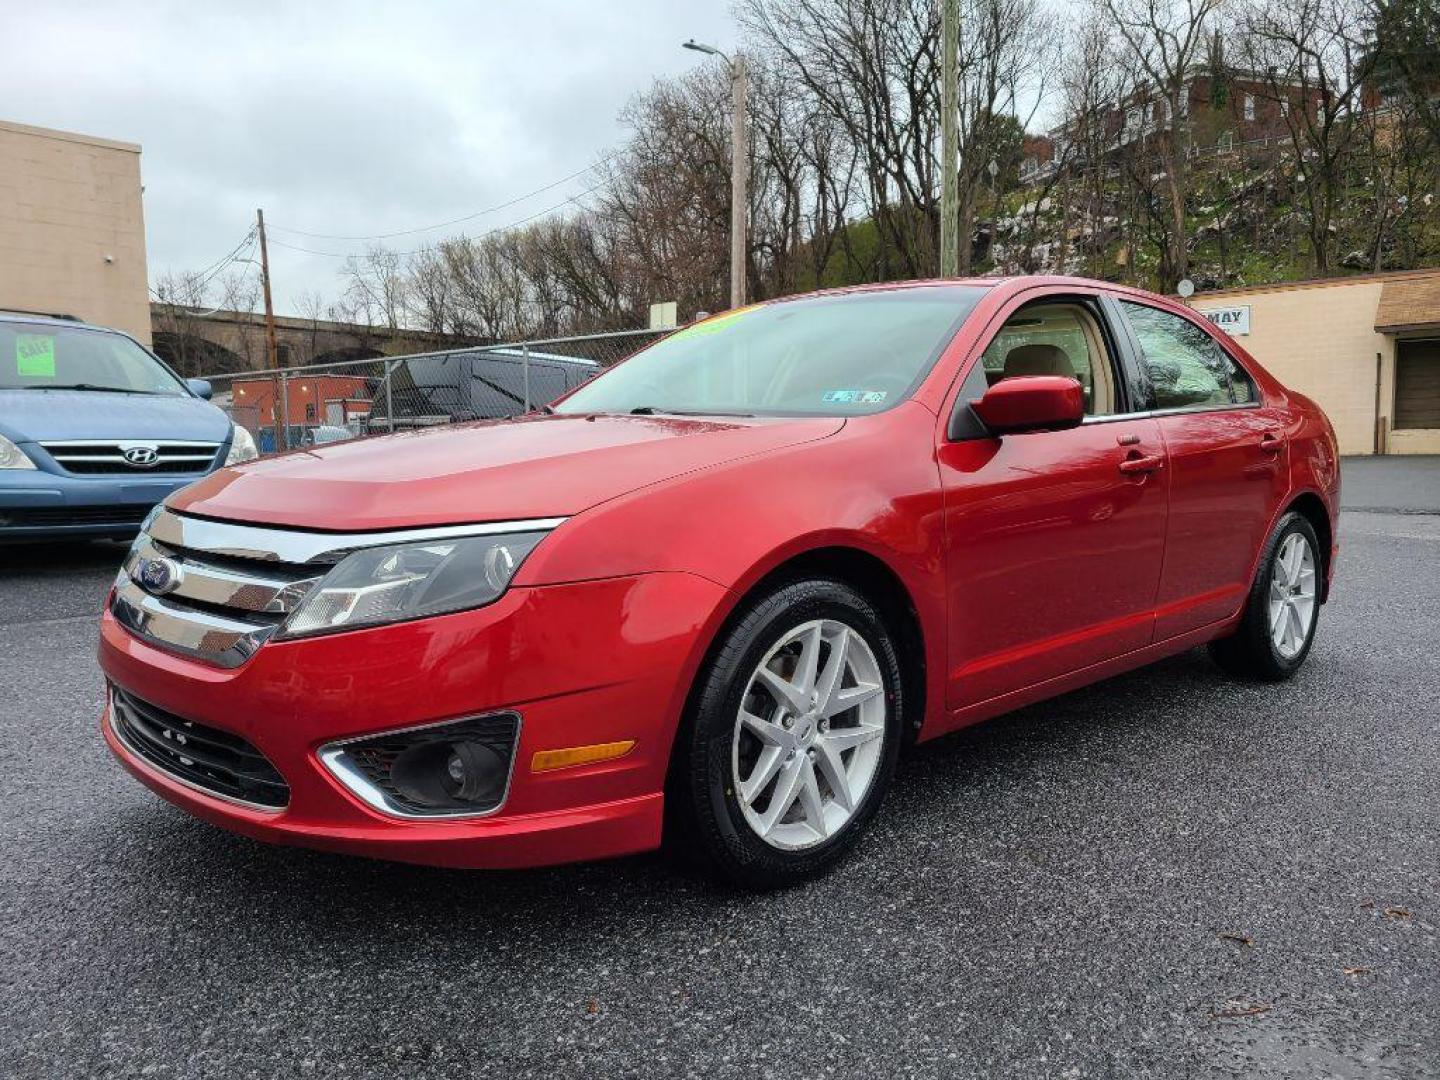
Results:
<point x="1417" y="385"/>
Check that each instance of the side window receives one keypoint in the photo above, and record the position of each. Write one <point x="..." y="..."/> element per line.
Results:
<point x="1187" y="368"/>
<point x="1052" y="338"/>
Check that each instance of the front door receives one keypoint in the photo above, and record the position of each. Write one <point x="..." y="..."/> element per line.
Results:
<point x="1053" y="550"/>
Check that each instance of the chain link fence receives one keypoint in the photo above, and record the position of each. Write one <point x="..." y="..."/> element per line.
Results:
<point x="309" y="406"/>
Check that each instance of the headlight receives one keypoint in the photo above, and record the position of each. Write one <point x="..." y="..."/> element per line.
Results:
<point x="11" y="456"/>
<point x="242" y="446"/>
<point x="411" y="581"/>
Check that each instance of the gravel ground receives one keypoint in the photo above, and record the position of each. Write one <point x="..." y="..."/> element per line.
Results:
<point x="1168" y="875"/>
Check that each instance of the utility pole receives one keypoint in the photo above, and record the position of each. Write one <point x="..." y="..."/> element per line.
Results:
<point x="739" y="176"/>
<point x="739" y="167"/>
<point x="272" y="354"/>
<point x="949" y="107"/>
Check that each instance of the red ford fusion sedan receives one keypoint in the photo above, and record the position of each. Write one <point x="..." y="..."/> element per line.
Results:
<point x="714" y="592"/>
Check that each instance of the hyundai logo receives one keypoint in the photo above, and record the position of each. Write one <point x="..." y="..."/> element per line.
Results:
<point x="158" y="576"/>
<point x="141" y="456"/>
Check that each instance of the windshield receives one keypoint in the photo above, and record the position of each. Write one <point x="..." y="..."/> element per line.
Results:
<point x="842" y="355"/>
<point x="40" y="356"/>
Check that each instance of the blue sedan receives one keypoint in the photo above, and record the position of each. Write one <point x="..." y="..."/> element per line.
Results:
<point x="95" y="430"/>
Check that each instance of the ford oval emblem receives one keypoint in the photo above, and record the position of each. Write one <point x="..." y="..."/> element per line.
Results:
<point x="141" y="456"/>
<point x="158" y="576"/>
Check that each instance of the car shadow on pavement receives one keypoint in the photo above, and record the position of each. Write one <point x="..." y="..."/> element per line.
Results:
<point x="256" y="885"/>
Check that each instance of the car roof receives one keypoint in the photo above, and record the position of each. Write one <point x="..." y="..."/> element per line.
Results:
<point x="17" y="315"/>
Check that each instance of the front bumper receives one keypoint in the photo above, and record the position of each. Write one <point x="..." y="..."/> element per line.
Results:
<point x="44" y="505"/>
<point x="583" y="663"/>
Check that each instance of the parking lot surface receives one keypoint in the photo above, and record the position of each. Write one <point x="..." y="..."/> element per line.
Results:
<point x="1170" y="874"/>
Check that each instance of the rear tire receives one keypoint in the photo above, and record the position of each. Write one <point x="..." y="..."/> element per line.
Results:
<point x="1282" y="609"/>
<point x="792" y="736"/>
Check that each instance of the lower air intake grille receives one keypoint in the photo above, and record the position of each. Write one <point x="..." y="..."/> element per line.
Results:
<point x="53" y="516"/>
<point x="203" y="757"/>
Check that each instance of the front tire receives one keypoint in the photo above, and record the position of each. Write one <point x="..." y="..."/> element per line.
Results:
<point x="1282" y="610"/>
<point x="792" y="736"/>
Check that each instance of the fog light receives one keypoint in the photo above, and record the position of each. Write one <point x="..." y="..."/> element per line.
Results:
<point x="455" y="769"/>
<point x="476" y="773"/>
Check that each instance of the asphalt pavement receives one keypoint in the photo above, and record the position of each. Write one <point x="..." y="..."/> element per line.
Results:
<point x="1167" y="875"/>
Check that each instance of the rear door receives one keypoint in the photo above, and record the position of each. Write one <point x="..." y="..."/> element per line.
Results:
<point x="1228" y="463"/>
<point x="1054" y="539"/>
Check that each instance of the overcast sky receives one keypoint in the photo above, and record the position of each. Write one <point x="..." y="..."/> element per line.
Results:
<point x="344" y="118"/>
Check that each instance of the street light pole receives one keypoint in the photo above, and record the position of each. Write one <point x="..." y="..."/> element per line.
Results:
<point x="739" y="169"/>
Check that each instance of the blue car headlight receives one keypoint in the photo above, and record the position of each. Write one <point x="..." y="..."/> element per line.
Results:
<point x="12" y="457"/>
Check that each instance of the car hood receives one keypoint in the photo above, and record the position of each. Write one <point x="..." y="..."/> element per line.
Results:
<point x="532" y="467"/>
<point x="45" y="415"/>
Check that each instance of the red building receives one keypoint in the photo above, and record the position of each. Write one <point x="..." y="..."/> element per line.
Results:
<point x="309" y="400"/>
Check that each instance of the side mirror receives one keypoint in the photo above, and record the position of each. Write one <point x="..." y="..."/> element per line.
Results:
<point x="200" y="387"/>
<point x="1031" y="403"/>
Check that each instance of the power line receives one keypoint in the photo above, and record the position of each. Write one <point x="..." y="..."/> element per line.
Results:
<point x="228" y="256"/>
<point x="234" y="258"/>
<point x="199" y="280"/>
<point x="477" y="236"/>
<point x="453" y="221"/>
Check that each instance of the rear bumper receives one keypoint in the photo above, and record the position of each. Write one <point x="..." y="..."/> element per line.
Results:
<point x="585" y="663"/>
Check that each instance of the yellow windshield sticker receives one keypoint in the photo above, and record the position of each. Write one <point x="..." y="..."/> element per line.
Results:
<point x="35" y="356"/>
<point x="716" y="324"/>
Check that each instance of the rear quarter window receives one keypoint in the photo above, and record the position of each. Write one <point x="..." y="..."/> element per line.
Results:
<point x="1187" y="368"/>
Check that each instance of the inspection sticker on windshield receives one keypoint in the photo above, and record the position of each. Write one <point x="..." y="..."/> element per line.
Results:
<point x="35" y="355"/>
<point x="855" y="397"/>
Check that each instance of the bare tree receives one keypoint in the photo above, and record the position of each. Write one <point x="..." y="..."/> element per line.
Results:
<point x="871" y="67"/>
<point x="1008" y="48"/>
<point x="1313" y="63"/>
<point x="430" y="290"/>
<point x="1163" y="40"/>
<point x="375" y="286"/>
<point x="1093" y="83"/>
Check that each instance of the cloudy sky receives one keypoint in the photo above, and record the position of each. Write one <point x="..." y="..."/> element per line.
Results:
<point x="350" y="118"/>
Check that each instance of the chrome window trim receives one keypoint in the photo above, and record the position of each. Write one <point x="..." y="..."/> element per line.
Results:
<point x="1181" y="410"/>
<point x="138" y="758"/>
<point x="332" y="757"/>
<point x="271" y="544"/>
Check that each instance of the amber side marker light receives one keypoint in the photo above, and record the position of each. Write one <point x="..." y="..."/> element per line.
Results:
<point x="550" y="760"/>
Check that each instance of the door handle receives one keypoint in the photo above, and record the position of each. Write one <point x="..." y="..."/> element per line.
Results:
<point x="1153" y="463"/>
<point x="1271" y="443"/>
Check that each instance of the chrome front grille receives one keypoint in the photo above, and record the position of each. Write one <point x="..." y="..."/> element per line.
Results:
<point x="131" y="456"/>
<point x="210" y="589"/>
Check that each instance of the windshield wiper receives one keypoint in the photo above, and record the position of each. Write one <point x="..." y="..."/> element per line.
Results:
<point x="93" y="386"/>
<point x="651" y="410"/>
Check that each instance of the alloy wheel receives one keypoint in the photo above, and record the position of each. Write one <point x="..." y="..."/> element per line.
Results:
<point x="809" y="734"/>
<point x="1292" y="596"/>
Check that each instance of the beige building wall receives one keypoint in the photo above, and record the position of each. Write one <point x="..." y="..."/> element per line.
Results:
<point x="1320" y="339"/>
<point x="72" y="230"/>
